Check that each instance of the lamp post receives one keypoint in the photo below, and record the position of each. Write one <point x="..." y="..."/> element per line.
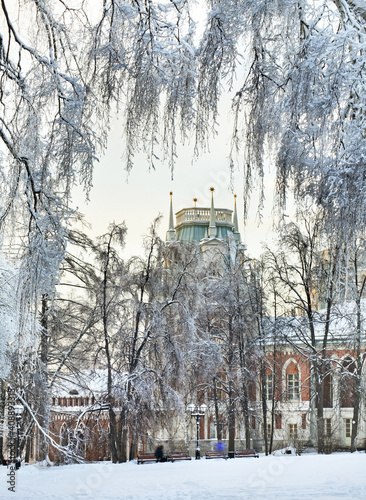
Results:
<point x="18" y="410"/>
<point x="198" y="412"/>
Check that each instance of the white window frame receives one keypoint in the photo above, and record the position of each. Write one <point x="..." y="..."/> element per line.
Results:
<point x="293" y="386"/>
<point x="285" y="380"/>
<point x="269" y="386"/>
<point x="292" y="432"/>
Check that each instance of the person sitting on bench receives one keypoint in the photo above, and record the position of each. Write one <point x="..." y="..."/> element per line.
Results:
<point x="159" y="453"/>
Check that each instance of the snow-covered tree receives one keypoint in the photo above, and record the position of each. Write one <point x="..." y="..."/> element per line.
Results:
<point x="308" y="281"/>
<point x="9" y="315"/>
<point x="231" y="302"/>
<point x="65" y="65"/>
<point x="18" y="332"/>
<point x="19" y="328"/>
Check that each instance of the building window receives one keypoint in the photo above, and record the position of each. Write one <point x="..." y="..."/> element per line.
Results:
<point x="212" y="430"/>
<point x="253" y="422"/>
<point x="292" y="432"/>
<point x="327" y="427"/>
<point x="347" y="383"/>
<point x="303" y="421"/>
<point x="347" y="425"/>
<point x="278" y="421"/>
<point x="269" y="387"/>
<point x="293" y="393"/>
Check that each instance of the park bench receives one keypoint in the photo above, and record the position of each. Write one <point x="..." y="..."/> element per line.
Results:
<point x="146" y="457"/>
<point x="215" y="454"/>
<point x="172" y="457"/>
<point x="245" y="453"/>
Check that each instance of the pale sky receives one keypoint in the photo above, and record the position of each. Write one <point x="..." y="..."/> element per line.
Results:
<point x="145" y="194"/>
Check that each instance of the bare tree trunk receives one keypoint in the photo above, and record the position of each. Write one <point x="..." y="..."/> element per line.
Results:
<point x="133" y="445"/>
<point x="231" y="421"/>
<point x="274" y="378"/>
<point x="113" y="434"/>
<point x="357" y="398"/>
<point x="273" y="423"/>
<point x="319" y="387"/>
<point x="231" y="392"/>
<point x="264" y="405"/>
<point x="359" y="361"/>
<point x="356" y="412"/>
<point x="245" y="392"/>
<point x="124" y="440"/>
<point x="245" y="405"/>
<point x="43" y="408"/>
<point x="217" y="412"/>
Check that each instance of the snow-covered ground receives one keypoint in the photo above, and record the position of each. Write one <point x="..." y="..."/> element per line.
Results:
<point x="338" y="476"/>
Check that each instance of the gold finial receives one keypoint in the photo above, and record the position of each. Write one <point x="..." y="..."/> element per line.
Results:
<point x="235" y="199"/>
<point x="195" y="201"/>
<point x="171" y="193"/>
<point x="212" y="191"/>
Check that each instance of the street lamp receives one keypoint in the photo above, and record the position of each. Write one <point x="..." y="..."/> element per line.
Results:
<point x="198" y="412"/>
<point x="18" y="410"/>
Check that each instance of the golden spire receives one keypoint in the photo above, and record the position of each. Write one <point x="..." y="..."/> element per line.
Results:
<point x="195" y="201"/>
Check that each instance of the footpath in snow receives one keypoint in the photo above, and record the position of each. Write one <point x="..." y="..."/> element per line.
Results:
<point x="321" y="477"/>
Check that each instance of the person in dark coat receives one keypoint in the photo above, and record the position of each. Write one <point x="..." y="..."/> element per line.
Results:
<point x="159" y="453"/>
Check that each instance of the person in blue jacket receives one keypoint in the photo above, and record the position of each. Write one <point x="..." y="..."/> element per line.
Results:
<point x="220" y="446"/>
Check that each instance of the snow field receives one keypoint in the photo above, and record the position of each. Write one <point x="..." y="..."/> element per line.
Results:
<point x="327" y="477"/>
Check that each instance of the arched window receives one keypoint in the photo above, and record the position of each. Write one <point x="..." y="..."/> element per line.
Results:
<point x="269" y="385"/>
<point x="292" y="381"/>
<point x="64" y="435"/>
<point x="347" y="382"/>
<point x="252" y="391"/>
<point x="80" y="440"/>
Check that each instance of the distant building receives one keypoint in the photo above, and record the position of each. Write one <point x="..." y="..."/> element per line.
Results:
<point x="208" y="227"/>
